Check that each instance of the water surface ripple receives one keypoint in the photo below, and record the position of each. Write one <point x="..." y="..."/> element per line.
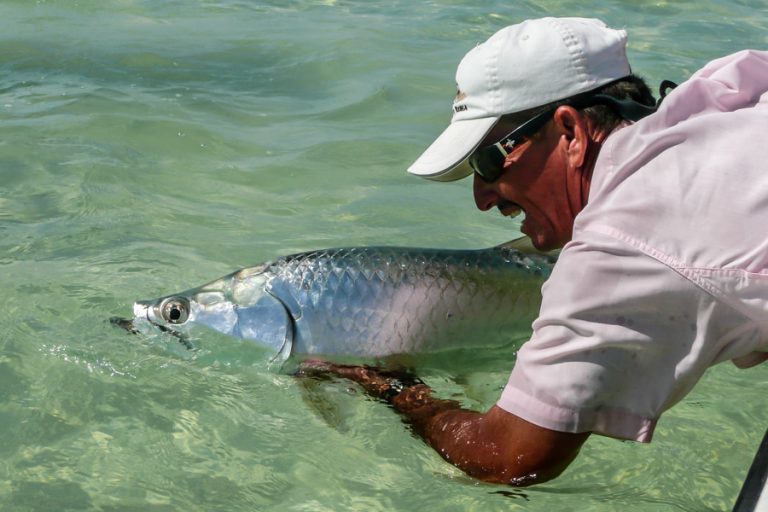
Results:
<point x="148" y="146"/>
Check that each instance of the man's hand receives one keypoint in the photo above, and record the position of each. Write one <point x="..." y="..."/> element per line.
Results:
<point x="496" y="446"/>
<point x="379" y="383"/>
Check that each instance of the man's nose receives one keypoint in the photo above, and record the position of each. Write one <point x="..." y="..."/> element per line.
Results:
<point x="485" y="193"/>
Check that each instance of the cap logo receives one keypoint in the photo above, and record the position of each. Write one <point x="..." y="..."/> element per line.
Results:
<point x="459" y="96"/>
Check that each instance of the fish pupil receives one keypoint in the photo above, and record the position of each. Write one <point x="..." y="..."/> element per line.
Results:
<point x="175" y="310"/>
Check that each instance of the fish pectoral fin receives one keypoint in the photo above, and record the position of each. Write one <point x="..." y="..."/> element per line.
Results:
<point x="268" y="323"/>
<point x="332" y="408"/>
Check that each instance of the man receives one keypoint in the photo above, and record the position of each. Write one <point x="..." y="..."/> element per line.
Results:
<point x="662" y="220"/>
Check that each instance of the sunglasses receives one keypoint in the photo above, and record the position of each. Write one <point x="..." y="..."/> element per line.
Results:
<point x="488" y="161"/>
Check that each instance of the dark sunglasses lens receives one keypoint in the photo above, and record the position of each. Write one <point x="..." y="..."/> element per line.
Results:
<point x="488" y="163"/>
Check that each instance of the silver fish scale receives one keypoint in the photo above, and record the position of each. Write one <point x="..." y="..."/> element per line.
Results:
<point x="377" y="301"/>
<point x="366" y="301"/>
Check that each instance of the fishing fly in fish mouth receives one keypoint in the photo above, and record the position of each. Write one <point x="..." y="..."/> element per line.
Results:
<point x="361" y="301"/>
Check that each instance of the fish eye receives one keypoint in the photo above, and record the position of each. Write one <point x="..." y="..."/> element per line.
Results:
<point x="175" y="310"/>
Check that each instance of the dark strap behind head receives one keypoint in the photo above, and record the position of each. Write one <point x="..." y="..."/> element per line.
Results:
<point x="628" y="109"/>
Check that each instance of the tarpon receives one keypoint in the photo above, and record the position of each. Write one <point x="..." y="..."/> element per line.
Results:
<point x="363" y="301"/>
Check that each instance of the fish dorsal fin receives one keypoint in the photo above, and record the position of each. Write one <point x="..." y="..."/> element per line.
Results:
<point x="525" y="245"/>
<point x="522" y="244"/>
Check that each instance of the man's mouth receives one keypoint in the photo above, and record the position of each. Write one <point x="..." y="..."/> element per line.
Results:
<point x="510" y="209"/>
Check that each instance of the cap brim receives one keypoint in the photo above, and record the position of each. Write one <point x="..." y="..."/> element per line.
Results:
<point x="446" y="158"/>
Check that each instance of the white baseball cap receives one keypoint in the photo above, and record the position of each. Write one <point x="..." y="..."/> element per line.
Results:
<point x="521" y="66"/>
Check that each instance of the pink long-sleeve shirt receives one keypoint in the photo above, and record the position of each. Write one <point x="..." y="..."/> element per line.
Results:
<point x="667" y="271"/>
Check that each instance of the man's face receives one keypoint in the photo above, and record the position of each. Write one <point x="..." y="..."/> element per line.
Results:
<point x="537" y="182"/>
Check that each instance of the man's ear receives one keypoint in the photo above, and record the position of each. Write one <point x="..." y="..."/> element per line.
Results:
<point x="572" y="126"/>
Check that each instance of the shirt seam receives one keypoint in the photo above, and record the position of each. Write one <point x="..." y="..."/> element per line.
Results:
<point x="690" y="273"/>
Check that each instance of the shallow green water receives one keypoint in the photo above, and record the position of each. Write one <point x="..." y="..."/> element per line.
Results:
<point x="150" y="146"/>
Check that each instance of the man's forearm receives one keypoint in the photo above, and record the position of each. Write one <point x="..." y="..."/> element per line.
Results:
<point x="477" y="443"/>
<point x="495" y="446"/>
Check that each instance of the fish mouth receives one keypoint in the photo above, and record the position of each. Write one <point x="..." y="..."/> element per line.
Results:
<point x="140" y="312"/>
<point x="124" y="323"/>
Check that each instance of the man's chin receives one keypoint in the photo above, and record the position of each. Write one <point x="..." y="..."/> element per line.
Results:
<point x="543" y="246"/>
<point x="542" y="242"/>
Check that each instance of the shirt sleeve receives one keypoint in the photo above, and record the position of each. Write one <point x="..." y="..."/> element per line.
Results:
<point x="620" y="338"/>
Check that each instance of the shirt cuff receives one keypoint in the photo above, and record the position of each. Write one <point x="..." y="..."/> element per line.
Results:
<point x="611" y="422"/>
